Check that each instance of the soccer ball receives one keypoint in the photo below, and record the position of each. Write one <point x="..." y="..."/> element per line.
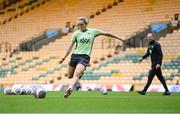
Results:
<point x="27" y="91"/>
<point x="17" y="91"/>
<point x="40" y="94"/>
<point x="30" y="91"/>
<point x="103" y="91"/>
<point x="7" y="91"/>
<point x="23" y="91"/>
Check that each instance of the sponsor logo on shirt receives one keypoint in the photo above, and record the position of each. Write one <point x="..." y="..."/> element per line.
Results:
<point x="84" y="40"/>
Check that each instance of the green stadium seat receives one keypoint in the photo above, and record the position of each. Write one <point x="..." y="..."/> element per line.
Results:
<point x="3" y="73"/>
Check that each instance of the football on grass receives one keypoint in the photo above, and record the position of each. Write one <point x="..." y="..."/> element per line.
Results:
<point x="40" y="94"/>
<point x="8" y="91"/>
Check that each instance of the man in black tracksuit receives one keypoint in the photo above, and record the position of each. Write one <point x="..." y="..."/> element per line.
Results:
<point x="154" y="49"/>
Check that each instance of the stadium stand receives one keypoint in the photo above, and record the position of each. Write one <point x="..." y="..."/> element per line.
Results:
<point x="18" y="9"/>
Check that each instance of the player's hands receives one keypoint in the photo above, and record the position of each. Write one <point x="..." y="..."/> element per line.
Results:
<point x="61" y="60"/>
<point x="158" y="66"/>
<point x="141" y="59"/>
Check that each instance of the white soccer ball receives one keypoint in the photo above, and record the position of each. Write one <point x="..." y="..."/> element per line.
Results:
<point x="23" y="91"/>
<point x="103" y="91"/>
<point x="17" y="91"/>
<point x="30" y="91"/>
<point x="8" y="91"/>
<point x="40" y="93"/>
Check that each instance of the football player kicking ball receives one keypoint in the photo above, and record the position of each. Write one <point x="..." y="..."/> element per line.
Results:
<point x="80" y="58"/>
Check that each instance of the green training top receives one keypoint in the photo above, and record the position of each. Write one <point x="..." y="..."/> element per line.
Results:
<point x="84" y="40"/>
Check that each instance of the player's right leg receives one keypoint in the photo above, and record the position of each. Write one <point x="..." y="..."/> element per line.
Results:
<point x="79" y="62"/>
<point x="77" y="74"/>
<point x="150" y="78"/>
<point x="72" y="66"/>
<point x="71" y="70"/>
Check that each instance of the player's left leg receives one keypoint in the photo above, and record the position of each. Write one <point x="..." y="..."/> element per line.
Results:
<point x="162" y="80"/>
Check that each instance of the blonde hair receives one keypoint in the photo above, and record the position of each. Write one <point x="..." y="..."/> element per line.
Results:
<point x="84" y="19"/>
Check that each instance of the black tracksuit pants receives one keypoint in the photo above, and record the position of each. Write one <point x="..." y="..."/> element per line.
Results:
<point x="151" y="75"/>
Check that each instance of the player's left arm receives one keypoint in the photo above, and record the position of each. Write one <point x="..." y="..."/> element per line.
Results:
<point x="160" y="55"/>
<point x="112" y="36"/>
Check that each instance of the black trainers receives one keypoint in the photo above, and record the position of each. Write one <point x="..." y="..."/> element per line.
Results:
<point x="167" y="93"/>
<point x="141" y="92"/>
<point x="68" y="93"/>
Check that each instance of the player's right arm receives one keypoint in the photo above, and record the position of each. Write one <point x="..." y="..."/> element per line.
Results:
<point x="145" y="56"/>
<point x="73" y="40"/>
<point x="67" y="52"/>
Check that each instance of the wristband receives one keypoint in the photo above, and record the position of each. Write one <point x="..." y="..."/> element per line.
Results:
<point x="63" y="59"/>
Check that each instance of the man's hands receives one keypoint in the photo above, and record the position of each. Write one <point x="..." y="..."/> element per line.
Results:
<point x="158" y="66"/>
<point x="61" y="60"/>
<point x="140" y="59"/>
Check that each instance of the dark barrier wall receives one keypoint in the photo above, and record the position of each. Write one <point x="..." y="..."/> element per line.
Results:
<point x="36" y="42"/>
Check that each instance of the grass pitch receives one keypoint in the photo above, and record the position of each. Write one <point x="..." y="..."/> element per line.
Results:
<point x="91" y="102"/>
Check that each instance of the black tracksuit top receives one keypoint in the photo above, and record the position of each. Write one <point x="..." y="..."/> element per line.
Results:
<point x="154" y="49"/>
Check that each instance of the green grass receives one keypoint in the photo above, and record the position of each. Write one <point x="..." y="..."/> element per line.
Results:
<point x="91" y="102"/>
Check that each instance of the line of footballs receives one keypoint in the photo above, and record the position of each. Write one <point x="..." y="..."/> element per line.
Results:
<point x="38" y="92"/>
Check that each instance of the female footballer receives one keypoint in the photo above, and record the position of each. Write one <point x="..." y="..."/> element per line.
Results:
<point x="83" y="38"/>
